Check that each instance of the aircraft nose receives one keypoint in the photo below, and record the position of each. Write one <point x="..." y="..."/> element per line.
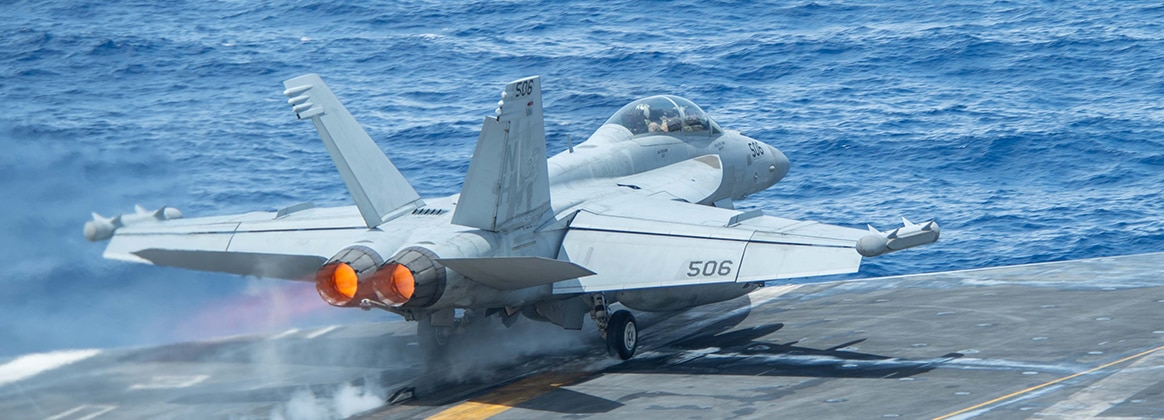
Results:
<point x="779" y="166"/>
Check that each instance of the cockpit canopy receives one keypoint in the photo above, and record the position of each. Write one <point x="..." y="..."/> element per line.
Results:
<point x="664" y="114"/>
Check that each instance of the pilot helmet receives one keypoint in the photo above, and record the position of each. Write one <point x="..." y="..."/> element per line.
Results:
<point x="646" y="110"/>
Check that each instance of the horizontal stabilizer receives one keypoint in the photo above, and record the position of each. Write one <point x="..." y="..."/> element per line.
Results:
<point x="291" y="267"/>
<point x="379" y="190"/>
<point x="508" y="273"/>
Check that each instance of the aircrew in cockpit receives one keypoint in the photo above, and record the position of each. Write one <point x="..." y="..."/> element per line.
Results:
<point x="663" y="114"/>
<point x="635" y="119"/>
<point x="669" y="124"/>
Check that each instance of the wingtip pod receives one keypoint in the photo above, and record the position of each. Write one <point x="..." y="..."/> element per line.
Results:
<point x="905" y="237"/>
<point x="102" y="228"/>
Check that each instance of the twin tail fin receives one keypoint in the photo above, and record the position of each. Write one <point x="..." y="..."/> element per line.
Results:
<point x="381" y="193"/>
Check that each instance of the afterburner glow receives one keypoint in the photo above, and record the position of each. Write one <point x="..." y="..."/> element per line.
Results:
<point x="345" y="281"/>
<point x="339" y="285"/>
<point x="394" y="283"/>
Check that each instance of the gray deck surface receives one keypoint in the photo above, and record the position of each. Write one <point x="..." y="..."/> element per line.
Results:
<point x="1072" y="339"/>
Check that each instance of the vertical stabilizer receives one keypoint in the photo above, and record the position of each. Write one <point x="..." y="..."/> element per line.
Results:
<point x="379" y="190"/>
<point x="508" y="183"/>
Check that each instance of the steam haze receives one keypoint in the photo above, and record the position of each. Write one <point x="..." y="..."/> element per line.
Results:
<point x="59" y="293"/>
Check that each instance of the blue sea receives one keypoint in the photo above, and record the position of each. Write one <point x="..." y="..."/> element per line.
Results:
<point x="1031" y="131"/>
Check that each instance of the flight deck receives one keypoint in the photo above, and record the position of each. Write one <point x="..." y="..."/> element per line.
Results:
<point x="1073" y="339"/>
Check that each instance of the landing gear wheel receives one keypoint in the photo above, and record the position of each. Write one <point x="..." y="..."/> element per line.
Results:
<point x="433" y="340"/>
<point x="622" y="335"/>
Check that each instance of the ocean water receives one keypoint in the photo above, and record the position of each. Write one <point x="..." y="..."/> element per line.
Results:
<point x="1032" y="131"/>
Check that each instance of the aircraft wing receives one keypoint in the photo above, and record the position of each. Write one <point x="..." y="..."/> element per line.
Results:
<point x="291" y="243"/>
<point x="642" y="242"/>
<point x="264" y="244"/>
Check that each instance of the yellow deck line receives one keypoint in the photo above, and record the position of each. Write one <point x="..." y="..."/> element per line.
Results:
<point x="508" y="396"/>
<point x="1046" y="384"/>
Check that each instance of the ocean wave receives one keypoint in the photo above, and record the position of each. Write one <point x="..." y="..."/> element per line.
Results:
<point x="1031" y="131"/>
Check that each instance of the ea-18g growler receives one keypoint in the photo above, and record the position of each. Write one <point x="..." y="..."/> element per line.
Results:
<point x="640" y="214"/>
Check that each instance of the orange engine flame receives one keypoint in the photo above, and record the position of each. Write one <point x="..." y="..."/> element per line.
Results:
<point x="394" y="283"/>
<point x="337" y="283"/>
<point x="345" y="281"/>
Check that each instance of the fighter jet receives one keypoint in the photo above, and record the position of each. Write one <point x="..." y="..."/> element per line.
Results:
<point x="640" y="214"/>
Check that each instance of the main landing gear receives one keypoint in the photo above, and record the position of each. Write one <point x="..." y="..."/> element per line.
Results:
<point x="433" y="338"/>
<point x="438" y="332"/>
<point x="620" y="330"/>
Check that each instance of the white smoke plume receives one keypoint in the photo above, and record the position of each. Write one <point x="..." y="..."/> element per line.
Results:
<point x="346" y="401"/>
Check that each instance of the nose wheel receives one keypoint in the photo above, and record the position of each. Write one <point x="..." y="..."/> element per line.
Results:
<point x="622" y="335"/>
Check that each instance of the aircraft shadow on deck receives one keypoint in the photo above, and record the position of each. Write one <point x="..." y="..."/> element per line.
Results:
<point x="717" y="349"/>
<point x="720" y="349"/>
<point x="741" y="352"/>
